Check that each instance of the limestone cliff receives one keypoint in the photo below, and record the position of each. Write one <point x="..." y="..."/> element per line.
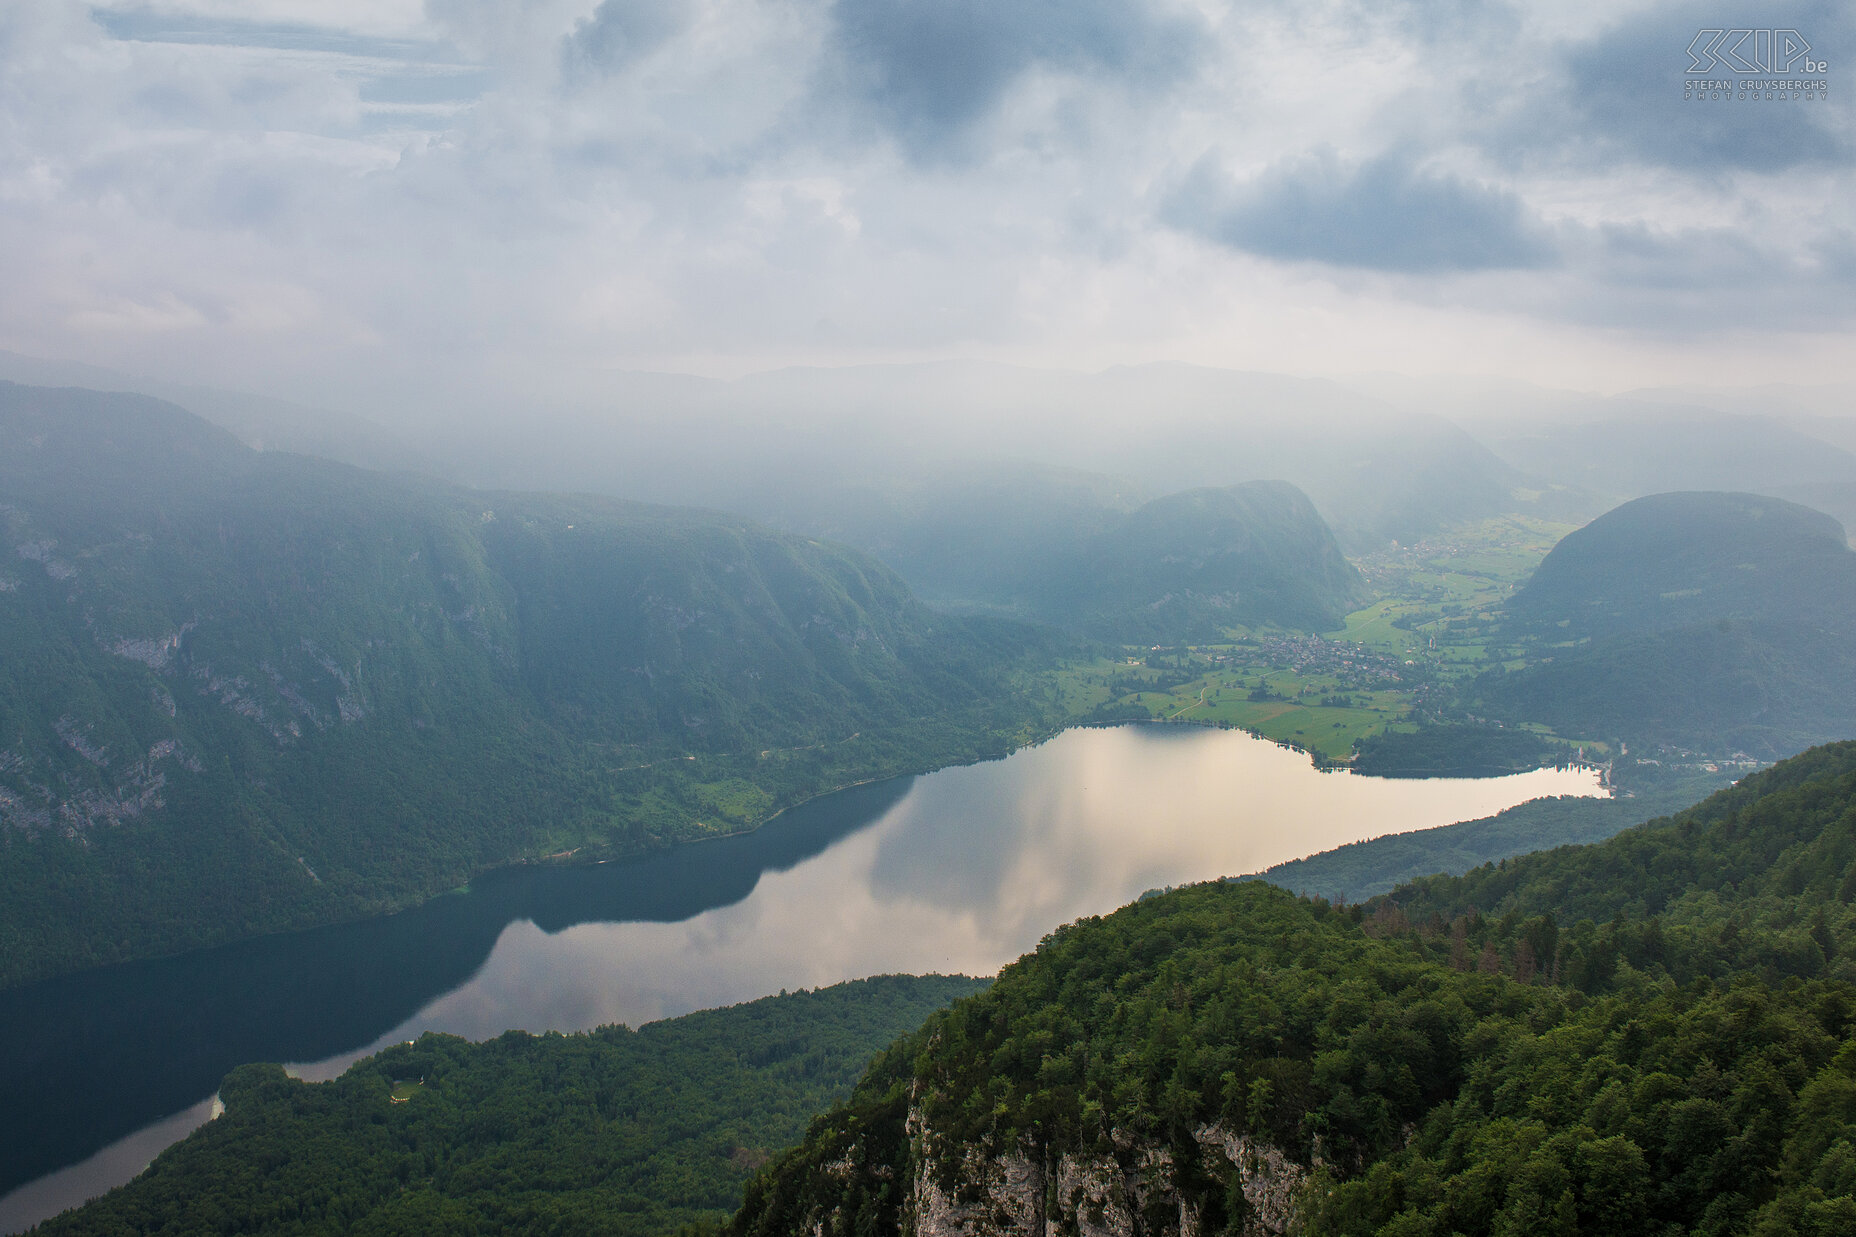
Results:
<point x="1132" y="1188"/>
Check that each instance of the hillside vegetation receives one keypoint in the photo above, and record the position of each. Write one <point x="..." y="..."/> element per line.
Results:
<point x="1721" y="622"/>
<point x="1681" y="559"/>
<point x="1362" y="870"/>
<point x="1187" y="566"/>
<point x="1656" y="1034"/>
<point x="244" y="691"/>
<point x="615" y="1131"/>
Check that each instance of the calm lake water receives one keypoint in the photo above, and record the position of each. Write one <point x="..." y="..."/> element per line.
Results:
<point x="957" y="871"/>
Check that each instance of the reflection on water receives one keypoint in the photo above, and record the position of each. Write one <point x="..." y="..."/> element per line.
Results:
<point x="961" y="870"/>
<point x="93" y="1058"/>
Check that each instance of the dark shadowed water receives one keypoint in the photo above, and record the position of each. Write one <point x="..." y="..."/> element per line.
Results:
<point x="956" y="871"/>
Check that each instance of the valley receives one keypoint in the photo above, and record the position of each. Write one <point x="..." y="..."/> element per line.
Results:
<point x="958" y="871"/>
<point x="464" y="738"/>
<point x="1553" y="1036"/>
<point x="1432" y="626"/>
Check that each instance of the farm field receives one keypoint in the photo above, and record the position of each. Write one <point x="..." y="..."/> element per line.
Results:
<point x="1431" y="626"/>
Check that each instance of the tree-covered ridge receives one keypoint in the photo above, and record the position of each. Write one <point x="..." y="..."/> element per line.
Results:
<point x="1191" y="564"/>
<point x="1652" y="1034"/>
<point x="1718" y="622"/>
<point x="1675" y="560"/>
<point x="1769" y="689"/>
<point x="1362" y="870"/>
<point x="245" y="691"/>
<point x="613" y="1131"/>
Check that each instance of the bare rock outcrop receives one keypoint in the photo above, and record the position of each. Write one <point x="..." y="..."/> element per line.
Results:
<point x="1135" y="1189"/>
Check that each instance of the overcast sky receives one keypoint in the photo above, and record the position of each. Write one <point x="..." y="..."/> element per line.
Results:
<point x="317" y="197"/>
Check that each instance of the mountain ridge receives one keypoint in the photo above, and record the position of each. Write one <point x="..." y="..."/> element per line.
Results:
<point x="1718" y="622"/>
<point x="350" y="690"/>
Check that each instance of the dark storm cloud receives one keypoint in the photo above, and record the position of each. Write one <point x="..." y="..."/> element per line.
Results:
<point x="621" y="32"/>
<point x="1626" y="87"/>
<point x="930" y="69"/>
<point x="1382" y="214"/>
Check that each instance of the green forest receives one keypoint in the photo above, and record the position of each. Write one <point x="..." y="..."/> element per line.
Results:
<point x="1654" y="1034"/>
<point x="1453" y="751"/>
<point x="615" y="1131"/>
<point x="1717" y="622"/>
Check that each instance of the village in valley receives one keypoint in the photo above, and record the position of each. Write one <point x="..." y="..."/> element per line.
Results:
<point x="1434" y="624"/>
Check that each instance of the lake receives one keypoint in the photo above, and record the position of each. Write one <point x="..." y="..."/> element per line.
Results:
<point x="961" y="870"/>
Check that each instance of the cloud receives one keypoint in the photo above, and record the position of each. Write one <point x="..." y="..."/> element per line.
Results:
<point x="155" y="26"/>
<point x="929" y="70"/>
<point x="620" y="33"/>
<point x="1380" y="214"/>
<point x="552" y="184"/>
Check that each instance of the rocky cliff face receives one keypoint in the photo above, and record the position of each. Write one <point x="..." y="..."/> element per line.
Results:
<point x="1140" y="1075"/>
<point x="1135" y="1189"/>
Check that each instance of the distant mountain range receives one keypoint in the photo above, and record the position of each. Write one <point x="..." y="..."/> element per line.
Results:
<point x="1077" y="551"/>
<point x="1710" y="620"/>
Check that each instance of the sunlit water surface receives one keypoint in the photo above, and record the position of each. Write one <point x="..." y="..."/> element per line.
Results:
<point x="961" y="870"/>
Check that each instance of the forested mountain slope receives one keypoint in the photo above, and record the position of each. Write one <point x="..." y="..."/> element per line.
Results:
<point x="1679" y="559"/>
<point x="243" y="691"/>
<point x="1655" y="1034"/>
<point x="616" y="1131"/>
<point x="1362" y="870"/>
<point x="1186" y="566"/>
<point x="1712" y="621"/>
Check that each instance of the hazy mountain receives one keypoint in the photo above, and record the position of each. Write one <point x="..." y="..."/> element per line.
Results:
<point x="969" y="533"/>
<point x="259" y="421"/>
<point x="1702" y="620"/>
<point x="1675" y="560"/>
<point x="1652" y="450"/>
<point x="803" y="448"/>
<point x="1834" y="498"/>
<point x="1826" y="411"/>
<point x="244" y="690"/>
<point x="1188" y="565"/>
<point x="1790" y="441"/>
<point x="1080" y="550"/>
<point x="777" y="445"/>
